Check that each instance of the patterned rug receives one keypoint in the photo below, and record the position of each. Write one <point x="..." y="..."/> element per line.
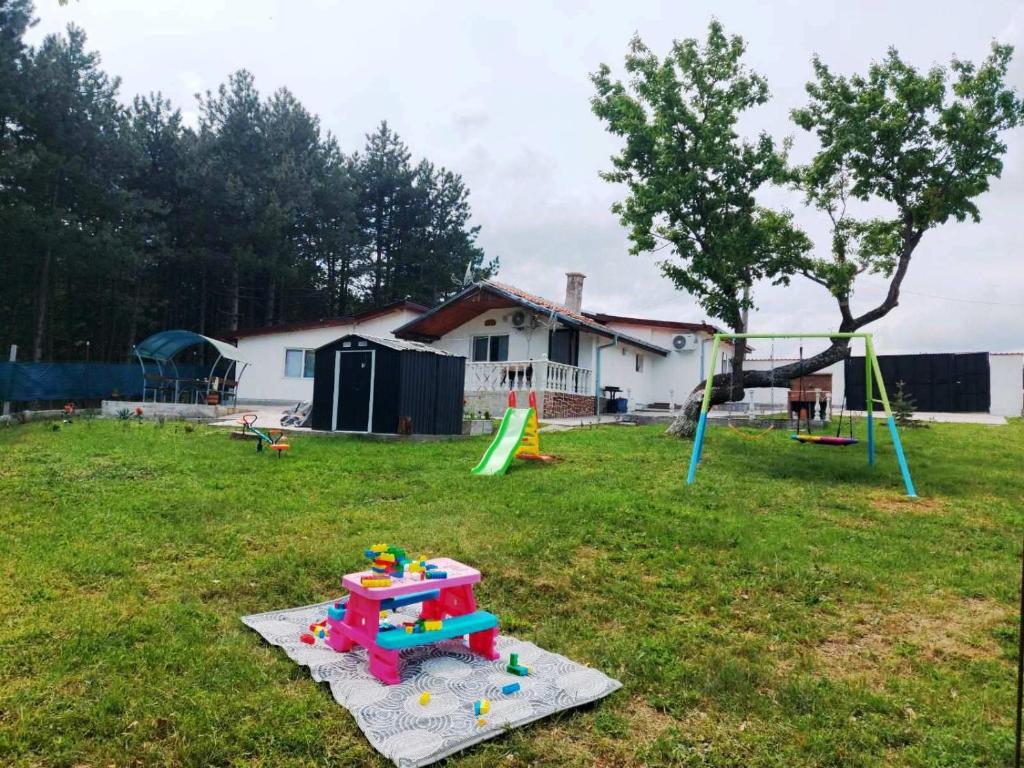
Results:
<point x="391" y="716"/>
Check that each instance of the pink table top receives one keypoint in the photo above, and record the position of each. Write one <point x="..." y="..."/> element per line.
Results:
<point x="458" y="574"/>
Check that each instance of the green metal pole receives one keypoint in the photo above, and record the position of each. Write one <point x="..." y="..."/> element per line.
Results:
<point x="869" y="397"/>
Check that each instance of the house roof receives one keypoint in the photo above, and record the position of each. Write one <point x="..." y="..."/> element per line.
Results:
<point x="333" y="322"/>
<point x="602" y="317"/>
<point x="398" y="344"/>
<point x="490" y="294"/>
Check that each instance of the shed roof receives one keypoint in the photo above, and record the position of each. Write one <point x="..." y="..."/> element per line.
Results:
<point x="399" y="344"/>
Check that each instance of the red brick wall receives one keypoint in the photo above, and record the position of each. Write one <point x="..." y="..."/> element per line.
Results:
<point x="561" y="405"/>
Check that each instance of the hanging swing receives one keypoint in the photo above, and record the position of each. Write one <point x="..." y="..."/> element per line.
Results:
<point x="808" y="438"/>
<point x="872" y="379"/>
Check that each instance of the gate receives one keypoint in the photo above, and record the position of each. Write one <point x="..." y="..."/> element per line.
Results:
<point x="942" y="383"/>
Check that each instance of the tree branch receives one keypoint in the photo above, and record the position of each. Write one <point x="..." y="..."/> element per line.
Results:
<point x="892" y="296"/>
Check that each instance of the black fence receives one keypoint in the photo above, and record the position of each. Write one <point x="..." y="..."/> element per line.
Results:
<point x="78" y="382"/>
<point x="944" y="383"/>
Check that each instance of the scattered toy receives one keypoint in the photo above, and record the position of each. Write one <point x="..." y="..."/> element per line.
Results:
<point x="424" y="698"/>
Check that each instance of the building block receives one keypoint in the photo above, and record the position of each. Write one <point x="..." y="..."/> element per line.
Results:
<point x="481" y="707"/>
<point x="437" y="574"/>
<point x="432" y="625"/>
<point x="510" y="688"/>
<point x="424" y="698"/>
<point x="307" y="638"/>
<point x="335" y="613"/>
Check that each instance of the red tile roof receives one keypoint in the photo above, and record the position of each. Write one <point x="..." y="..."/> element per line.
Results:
<point x="501" y="294"/>
<point x="331" y="322"/>
<point x="602" y="317"/>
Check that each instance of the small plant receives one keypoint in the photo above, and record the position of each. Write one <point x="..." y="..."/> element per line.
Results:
<point x="138" y="414"/>
<point x="904" y="406"/>
<point x="124" y="414"/>
<point x="189" y="428"/>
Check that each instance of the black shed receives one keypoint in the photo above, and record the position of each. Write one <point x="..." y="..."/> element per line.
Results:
<point x="369" y="384"/>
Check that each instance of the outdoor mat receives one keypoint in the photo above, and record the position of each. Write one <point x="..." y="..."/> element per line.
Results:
<point x="391" y="716"/>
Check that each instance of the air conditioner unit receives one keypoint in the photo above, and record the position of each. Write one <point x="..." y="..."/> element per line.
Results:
<point x="684" y="342"/>
<point x="518" y="318"/>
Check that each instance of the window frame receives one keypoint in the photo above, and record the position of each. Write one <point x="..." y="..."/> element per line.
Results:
<point x="491" y="341"/>
<point x="307" y="356"/>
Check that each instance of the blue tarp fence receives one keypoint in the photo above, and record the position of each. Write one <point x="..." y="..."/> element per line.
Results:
<point x="75" y="381"/>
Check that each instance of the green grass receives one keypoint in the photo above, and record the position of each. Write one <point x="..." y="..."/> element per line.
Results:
<point x="790" y="609"/>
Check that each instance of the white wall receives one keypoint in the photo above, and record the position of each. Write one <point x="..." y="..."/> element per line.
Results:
<point x="264" y="379"/>
<point x="1007" y="372"/>
<point x="523" y="343"/>
<point x="670" y="379"/>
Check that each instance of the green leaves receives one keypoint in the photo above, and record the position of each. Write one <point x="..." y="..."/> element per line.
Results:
<point x="922" y="144"/>
<point x="690" y="179"/>
<point x="901" y="151"/>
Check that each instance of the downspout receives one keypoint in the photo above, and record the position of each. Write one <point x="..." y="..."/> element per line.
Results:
<point x="597" y="373"/>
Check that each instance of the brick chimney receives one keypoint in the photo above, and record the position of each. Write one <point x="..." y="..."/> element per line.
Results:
<point x="574" y="290"/>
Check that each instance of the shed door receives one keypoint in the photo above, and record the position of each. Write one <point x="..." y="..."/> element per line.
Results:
<point x="353" y="391"/>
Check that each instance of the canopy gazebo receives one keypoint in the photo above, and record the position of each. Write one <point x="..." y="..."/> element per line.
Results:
<point x="166" y="383"/>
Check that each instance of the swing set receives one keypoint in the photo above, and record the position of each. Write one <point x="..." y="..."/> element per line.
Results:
<point x="872" y="375"/>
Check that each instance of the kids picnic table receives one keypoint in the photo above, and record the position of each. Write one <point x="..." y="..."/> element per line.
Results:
<point x="449" y="600"/>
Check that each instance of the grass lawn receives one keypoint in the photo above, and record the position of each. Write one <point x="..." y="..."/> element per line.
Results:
<point x="791" y="609"/>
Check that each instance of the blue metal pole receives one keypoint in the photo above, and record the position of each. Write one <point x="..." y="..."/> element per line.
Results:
<point x="901" y="458"/>
<point x="698" y="442"/>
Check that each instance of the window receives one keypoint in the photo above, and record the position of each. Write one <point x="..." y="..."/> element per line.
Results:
<point x="639" y="363"/>
<point x="490" y="349"/>
<point x="299" y="363"/>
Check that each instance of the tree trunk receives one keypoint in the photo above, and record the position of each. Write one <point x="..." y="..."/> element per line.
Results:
<point x="234" y="288"/>
<point x="42" y="305"/>
<point x="332" y="285"/>
<point x="268" y="315"/>
<point x="133" y="315"/>
<point x="726" y="389"/>
<point x="202" y="300"/>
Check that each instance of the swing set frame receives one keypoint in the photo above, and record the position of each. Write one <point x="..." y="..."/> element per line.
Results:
<point x="872" y="375"/>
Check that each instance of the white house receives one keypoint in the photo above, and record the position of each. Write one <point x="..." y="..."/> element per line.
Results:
<point x="514" y="340"/>
<point x="281" y="357"/>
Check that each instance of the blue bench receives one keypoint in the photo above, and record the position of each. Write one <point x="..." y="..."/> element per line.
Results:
<point x="398" y="638"/>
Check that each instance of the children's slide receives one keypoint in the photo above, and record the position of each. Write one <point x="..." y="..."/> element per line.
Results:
<point x="503" y="448"/>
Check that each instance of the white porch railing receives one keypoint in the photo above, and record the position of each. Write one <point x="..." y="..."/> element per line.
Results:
<point x="542" y="375"/>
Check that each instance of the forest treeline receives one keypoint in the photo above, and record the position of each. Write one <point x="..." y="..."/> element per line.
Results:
<point x="118" y="220"/>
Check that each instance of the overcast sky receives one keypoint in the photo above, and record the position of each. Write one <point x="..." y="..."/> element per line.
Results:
<point x="500" y="93"/>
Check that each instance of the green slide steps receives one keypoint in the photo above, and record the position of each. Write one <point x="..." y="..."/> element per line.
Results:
<point x="503" y="448"/>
